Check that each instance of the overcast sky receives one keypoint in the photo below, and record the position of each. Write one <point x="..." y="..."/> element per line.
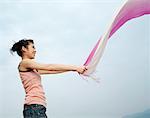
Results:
<point x="65" y="32"/>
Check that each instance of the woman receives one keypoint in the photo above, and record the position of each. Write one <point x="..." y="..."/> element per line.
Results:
<point x="30" y="71"/>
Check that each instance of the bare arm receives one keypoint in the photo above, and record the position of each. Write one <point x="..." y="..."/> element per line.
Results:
<point x="50" y="72"/>
<point x="28" y="63"/>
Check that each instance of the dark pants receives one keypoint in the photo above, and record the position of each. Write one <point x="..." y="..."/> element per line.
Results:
<point x="34" y="111"/>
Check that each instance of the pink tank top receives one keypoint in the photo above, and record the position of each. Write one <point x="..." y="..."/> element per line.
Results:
<point x="33" y="88"/>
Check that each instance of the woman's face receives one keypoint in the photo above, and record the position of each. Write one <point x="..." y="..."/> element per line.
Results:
<point x="30" y="51"/>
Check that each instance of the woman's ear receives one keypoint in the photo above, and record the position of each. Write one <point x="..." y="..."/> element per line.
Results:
<point x="24" y="49"/>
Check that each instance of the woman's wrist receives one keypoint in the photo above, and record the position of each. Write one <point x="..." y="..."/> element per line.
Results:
<point x="74" y="68"/>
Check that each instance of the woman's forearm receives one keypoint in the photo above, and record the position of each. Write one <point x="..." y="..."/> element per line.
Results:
<point x="50" y="72"/>
<point x="61" y="67"/>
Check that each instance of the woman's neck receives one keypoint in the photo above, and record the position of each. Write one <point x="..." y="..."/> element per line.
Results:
<point x="25" y="57"/>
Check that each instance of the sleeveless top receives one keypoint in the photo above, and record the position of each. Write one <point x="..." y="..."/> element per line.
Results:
<point x="31" y="81"/>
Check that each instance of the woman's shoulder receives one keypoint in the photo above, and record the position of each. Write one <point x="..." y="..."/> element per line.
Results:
<point x="23" y="63"/>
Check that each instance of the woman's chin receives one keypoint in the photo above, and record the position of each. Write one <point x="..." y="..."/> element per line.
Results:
<point x="32" y="57"/>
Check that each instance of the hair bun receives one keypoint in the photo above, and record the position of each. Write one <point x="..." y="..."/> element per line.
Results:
<point x="15" y="47"/>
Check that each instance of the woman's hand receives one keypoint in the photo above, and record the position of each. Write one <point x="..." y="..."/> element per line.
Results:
<point x="81" y="69"/>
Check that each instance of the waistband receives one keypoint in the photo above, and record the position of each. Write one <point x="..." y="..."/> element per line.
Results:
<point x="26" y="106"/>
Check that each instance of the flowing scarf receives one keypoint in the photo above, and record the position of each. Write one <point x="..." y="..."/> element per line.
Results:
<point x="129" y="10"/>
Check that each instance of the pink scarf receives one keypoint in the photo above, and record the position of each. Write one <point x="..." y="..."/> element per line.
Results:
<point x="129" y="10"/>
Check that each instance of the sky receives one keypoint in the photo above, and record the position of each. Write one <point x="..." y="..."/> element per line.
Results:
<point x="64" y="32"/>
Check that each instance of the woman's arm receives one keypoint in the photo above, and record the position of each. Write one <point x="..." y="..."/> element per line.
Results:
<point x="50" y="72"/>
<point x="28" y="63"/>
